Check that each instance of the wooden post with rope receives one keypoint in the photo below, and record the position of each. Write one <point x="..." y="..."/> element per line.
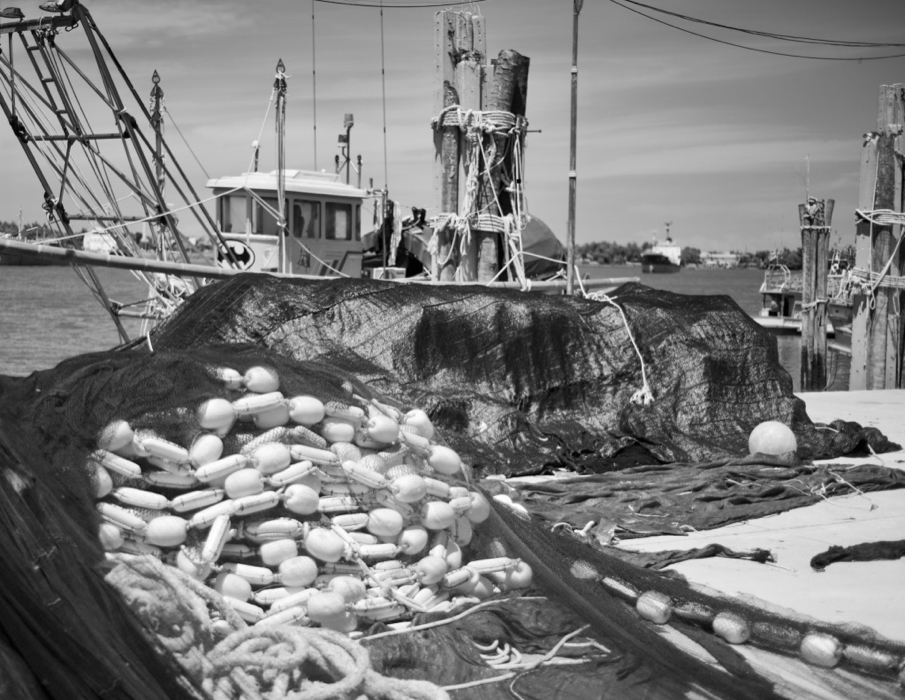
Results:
<point x="815" y="218"/>
<point x="471" y="50"/>
<point x="446" y="144"/>
<point x="492" y="199"/>
<point x="876" y="326"/>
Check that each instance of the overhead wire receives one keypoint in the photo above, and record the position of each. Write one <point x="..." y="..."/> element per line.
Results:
<point x="383" y="82"/>
<point x="772" y="35"/>
<point x="404" y="4"/>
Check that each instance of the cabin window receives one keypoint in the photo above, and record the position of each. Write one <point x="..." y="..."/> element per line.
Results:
<point x="356" y="227"/>
<point x="233" y="212"/>
<point x="339" y="221"/>
<point x="306" y="219"/>
<point x="265" y="221"/>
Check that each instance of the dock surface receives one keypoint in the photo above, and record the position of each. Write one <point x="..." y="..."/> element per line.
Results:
<point x="868" y="593"/>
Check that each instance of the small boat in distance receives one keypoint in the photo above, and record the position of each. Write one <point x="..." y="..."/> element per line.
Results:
<point x="781" y="293"/>
<point x="662" y="257"/>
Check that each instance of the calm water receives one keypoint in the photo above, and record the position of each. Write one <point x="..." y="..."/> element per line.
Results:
<point x="47" y="314"/>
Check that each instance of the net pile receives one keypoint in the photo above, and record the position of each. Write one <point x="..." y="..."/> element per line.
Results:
<point x="587" y="596"/>
<point x="494" y="371"/>
<point x="523" y="383"/>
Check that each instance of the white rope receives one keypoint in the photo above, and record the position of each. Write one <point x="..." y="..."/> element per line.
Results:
<point x="475" y="124"/>
<point x="643" y="396"/>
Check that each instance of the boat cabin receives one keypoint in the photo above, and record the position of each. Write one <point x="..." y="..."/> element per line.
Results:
<point x="323" y="222"/>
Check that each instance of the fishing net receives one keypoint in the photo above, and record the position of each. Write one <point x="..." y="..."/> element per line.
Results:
<point x="526" y="383"/>
<point x="495" y="371"/>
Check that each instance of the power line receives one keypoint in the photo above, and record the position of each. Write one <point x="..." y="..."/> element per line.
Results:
<point x="402" y="4"/>
<point x="764" y="34"/>
<point x="772" y="35"/>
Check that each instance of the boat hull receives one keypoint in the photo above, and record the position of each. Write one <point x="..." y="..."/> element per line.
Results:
<point x="13" y="260"/>
<point x="659" y="267"/>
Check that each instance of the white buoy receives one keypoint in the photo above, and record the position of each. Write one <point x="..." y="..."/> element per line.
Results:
<point x="772" y="438"/>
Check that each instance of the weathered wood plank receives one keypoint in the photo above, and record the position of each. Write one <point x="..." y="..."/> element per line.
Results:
<point x="446" y="141"/>
<point x="863" y="244"/>
<point x="468" y="79"/>
<point x="815" y="219"/>
<point x="883" y="359"/>
<point x="492" y="198"/>
<point x="891" y="116"/>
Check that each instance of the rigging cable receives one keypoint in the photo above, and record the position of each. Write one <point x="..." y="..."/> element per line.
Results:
<point x="751" y="48"/>
<point x="184" y="141"/>
<point x="772" y="35"/>
<point x="383" y="80"/>
<point x="314" y="81"/>
<point x="405" y="5"/>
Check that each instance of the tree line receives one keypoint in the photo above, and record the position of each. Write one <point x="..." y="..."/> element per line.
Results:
<point x="30" y="230"/>
<point x="607" y="253"/>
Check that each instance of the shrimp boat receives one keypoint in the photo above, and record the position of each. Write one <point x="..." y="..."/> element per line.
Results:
<point x="322" y="222"/>
<point x="126" y="184"/>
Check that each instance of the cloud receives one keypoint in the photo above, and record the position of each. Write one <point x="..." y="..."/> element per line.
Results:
<point x="154" y="23"/>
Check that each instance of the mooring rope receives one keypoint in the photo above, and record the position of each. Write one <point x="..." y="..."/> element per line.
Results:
<point x="258" y="662"/>
<point x="475" y="124"/>
<point x="643" y="396"/>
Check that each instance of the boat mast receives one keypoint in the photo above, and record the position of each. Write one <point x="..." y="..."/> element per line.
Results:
<point x="157" y="127"/>
<point x="573" y="177"/>
<point x="279" y="85"/>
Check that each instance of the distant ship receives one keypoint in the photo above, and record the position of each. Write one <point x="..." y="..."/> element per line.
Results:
<point x="663" y="257"/>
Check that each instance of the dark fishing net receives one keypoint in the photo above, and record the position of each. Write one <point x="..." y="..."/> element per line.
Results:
<point x="67" y="627"/>
<point x="495" y="372"/>
<point x="865" y="551"/>
<point x="523" y="383"/>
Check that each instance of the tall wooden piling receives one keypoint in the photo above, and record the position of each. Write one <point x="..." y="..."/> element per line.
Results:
<point x="446" y="143"/>
<point x="465" y="183"/>
<point x="498" y="98"/>
<point x="877" y="337"/>
<point x="816" y="218"/>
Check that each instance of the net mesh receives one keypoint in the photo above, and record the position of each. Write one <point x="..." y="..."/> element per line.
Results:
<point x="517" y="384"/>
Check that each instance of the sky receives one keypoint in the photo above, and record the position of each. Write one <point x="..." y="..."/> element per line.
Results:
<point x="722" y="142"/>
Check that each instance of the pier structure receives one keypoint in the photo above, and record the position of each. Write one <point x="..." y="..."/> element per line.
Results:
<point x="479" y="133"/>
<point x="815" y="216"/>
<point x="877" y="328"/>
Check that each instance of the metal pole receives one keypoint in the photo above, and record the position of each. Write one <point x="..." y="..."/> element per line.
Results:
<point x="280" y="86"/>
<point x="157" y="125"/>
<point x="573" y="177"/>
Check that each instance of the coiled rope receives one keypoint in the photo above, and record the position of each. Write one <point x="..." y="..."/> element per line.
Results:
<point x="278" y="662"/>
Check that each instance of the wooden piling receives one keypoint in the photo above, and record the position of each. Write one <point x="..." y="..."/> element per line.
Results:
<point x="492" y="199"/>
<point x="446" y="143"/>
<point x="470" y="50"/>
<point x="464" y="183"/>
<point x="815" y="218"/>
<point x="877" y="337"/>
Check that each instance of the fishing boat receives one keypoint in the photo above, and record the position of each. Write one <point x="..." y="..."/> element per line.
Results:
<point x="322" y="222"/>
<point x="665" y="256"/>
<point x="122" y="182"/>
<point x="781" y="295"/>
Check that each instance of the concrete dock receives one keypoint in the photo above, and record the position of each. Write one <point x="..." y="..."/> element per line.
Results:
<point x="869" y="593"/>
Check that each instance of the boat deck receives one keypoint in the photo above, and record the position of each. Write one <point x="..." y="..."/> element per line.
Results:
<point x="869" y="593"/>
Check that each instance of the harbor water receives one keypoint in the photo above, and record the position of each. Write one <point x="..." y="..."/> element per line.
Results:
<point x="47" y="314"/>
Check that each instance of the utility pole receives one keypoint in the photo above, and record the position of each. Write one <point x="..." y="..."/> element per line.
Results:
<point x="573" y="177"/>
